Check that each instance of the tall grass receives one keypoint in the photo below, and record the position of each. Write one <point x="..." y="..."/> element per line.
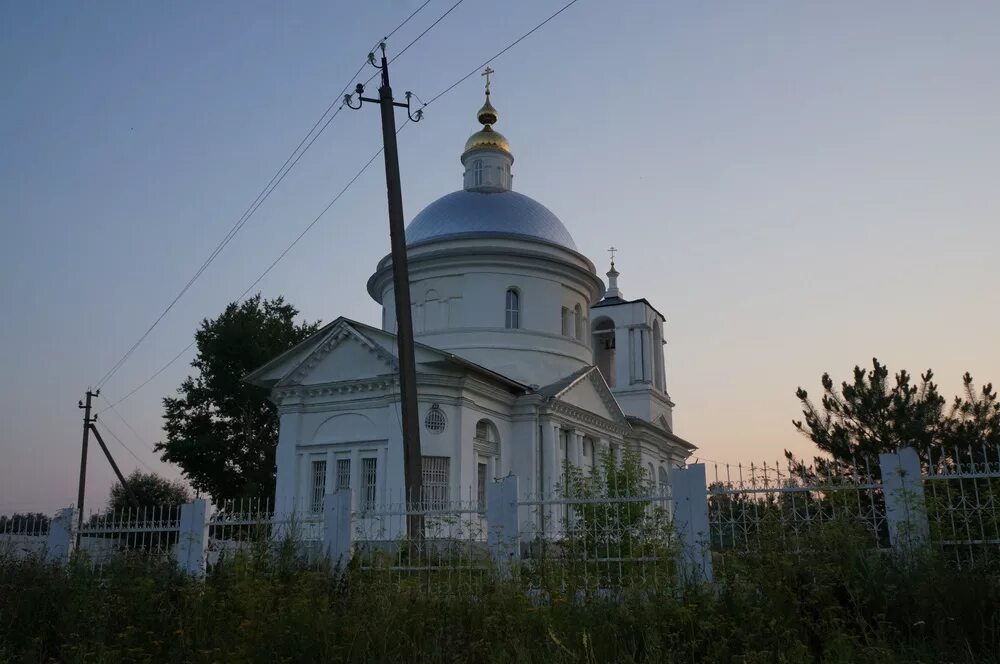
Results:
<point x="834" y="600"/>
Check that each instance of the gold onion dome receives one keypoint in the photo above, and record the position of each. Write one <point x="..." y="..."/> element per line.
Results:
<point x="487" y="137"/>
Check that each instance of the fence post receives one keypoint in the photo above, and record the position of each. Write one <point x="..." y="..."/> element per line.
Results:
<point x="502" y="535"/>
<point x="59" y="543"/>
<point x="903" y="488"/>
<point x="192" y="537"/>
<point x="337" y="527"/>
<point x="690" y="502"/>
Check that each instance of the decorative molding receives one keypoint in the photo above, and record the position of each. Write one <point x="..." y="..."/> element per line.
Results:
<point x="585" y="416"/>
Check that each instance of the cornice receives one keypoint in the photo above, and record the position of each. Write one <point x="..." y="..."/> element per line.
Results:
<point x="575" y="412"/>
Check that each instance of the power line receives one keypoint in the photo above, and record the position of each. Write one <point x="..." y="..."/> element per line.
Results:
<point x="264" y="194"/>
<point x="375" y="156"/>
<point x="262" y="274"/>
<point x="501" y="52"/>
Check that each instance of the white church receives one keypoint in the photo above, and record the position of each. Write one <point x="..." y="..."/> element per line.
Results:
<point x="524" y="359"/>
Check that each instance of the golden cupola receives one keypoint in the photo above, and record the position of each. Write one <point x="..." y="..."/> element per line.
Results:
<point x="487" y="137"/>
<point x="487" y="157"/>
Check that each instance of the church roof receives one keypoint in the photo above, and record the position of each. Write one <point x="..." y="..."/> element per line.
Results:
<point x="285" y="364"/>
<point x="494" y="214"/>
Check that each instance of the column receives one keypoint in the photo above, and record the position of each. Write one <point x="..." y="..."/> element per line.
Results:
<point x="303" y="492"/>
<point x="284" y="490"/>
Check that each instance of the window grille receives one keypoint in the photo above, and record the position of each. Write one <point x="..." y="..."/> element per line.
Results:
<point x="436" y="481"/>
<point x="513" y="319"/>
<point x="318" y="484"/>
<point x="369" y="476"/>
<point x="435" y="422"/>
<point x="343" y="474"/>
<point x="481" y="486"/>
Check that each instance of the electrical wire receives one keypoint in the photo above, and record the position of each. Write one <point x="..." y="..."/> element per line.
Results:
<point x="432" y="100"/>
<point x="104" y="425"/>
<point x="266" y="271"/>
<point x="501" y="52"/>
<point x="264" y="194"/>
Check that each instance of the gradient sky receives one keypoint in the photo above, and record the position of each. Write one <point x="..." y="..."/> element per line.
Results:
<point x="798" y="186"/>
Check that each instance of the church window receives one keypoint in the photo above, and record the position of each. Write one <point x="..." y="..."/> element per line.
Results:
<point x="343" y="474"/>
<point x="481" y="477"/>
<point x="578" y="322"/>
<point x="436" y="481"/>
<point x="487" y="438"/>
<point x="318" y="484"/>
<point x="435" y="422"/>
<point x="566" y="325"/>
<point x="513" y="305"/>
<point x="369" y="477"/>
<point x="663" y="480"/>
<point x="477" y="168"/>
<point x="603" y="343"/>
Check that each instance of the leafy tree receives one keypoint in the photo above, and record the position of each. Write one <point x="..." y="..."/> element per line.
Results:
<point x="220" y="430"/>
<point x="875" y="413"/>
<point x="150" y="490"/>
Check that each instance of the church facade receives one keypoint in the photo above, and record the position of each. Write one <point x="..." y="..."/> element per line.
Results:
<point x="524" y="360"/>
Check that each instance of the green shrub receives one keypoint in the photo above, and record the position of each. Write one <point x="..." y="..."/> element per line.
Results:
<point x="834" y="600"/>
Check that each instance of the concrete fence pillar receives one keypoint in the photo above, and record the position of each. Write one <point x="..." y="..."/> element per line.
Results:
<point x="502" y="535"/>
<point x="192" y="538"/>
<point x="61" y="539"/>
<point x="337" y="527"/>
<point x="903" y="488"/>
<point x="690" y="504"/>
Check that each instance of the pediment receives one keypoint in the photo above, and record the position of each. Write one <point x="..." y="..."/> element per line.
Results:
<point x="345" y="354"/>
<point x="589" y="392"/>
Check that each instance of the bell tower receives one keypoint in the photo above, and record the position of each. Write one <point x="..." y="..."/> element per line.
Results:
<point x="627" y="338"/>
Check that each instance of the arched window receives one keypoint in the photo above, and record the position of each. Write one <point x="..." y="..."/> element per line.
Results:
<point x="487" y="437"/>
<point x="578" y="322"/>
<point x="477" y="168"/>
<point x="513" y="318"/>
<point x="663" y="481"/>
<point x="487" y="447"/>
<point x="603" y="343"/>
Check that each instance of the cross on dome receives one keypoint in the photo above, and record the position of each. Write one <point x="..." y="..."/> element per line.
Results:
<point x="486" y="73"/>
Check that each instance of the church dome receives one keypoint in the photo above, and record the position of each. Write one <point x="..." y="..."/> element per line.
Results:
<point x="487" y="206"/>
<point x="487" y="214"/>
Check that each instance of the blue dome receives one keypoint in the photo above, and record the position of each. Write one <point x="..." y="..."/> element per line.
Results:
<point x="501" y="214"/>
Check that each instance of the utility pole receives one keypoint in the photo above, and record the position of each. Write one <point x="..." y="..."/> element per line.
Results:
<point x="412" y="479"/>
<point x="87" y="422"/>
<point x="88" y="427"/>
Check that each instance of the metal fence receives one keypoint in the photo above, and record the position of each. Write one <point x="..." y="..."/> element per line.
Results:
<point x="586" y="536"/>
<point x="765" y="504"/>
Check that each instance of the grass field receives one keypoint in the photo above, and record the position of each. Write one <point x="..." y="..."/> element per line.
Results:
<point x="837" y="602"/>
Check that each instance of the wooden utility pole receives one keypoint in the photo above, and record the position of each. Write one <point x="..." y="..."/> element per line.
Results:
<point x="412" y="479"/>
<point x="87" y="422"/>
<point x="88" y="427"/>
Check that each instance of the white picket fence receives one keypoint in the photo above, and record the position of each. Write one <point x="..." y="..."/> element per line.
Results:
<point x="646" y="538"/>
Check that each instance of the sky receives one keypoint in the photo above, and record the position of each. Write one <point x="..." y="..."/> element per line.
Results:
<point x="797" y="186"/>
